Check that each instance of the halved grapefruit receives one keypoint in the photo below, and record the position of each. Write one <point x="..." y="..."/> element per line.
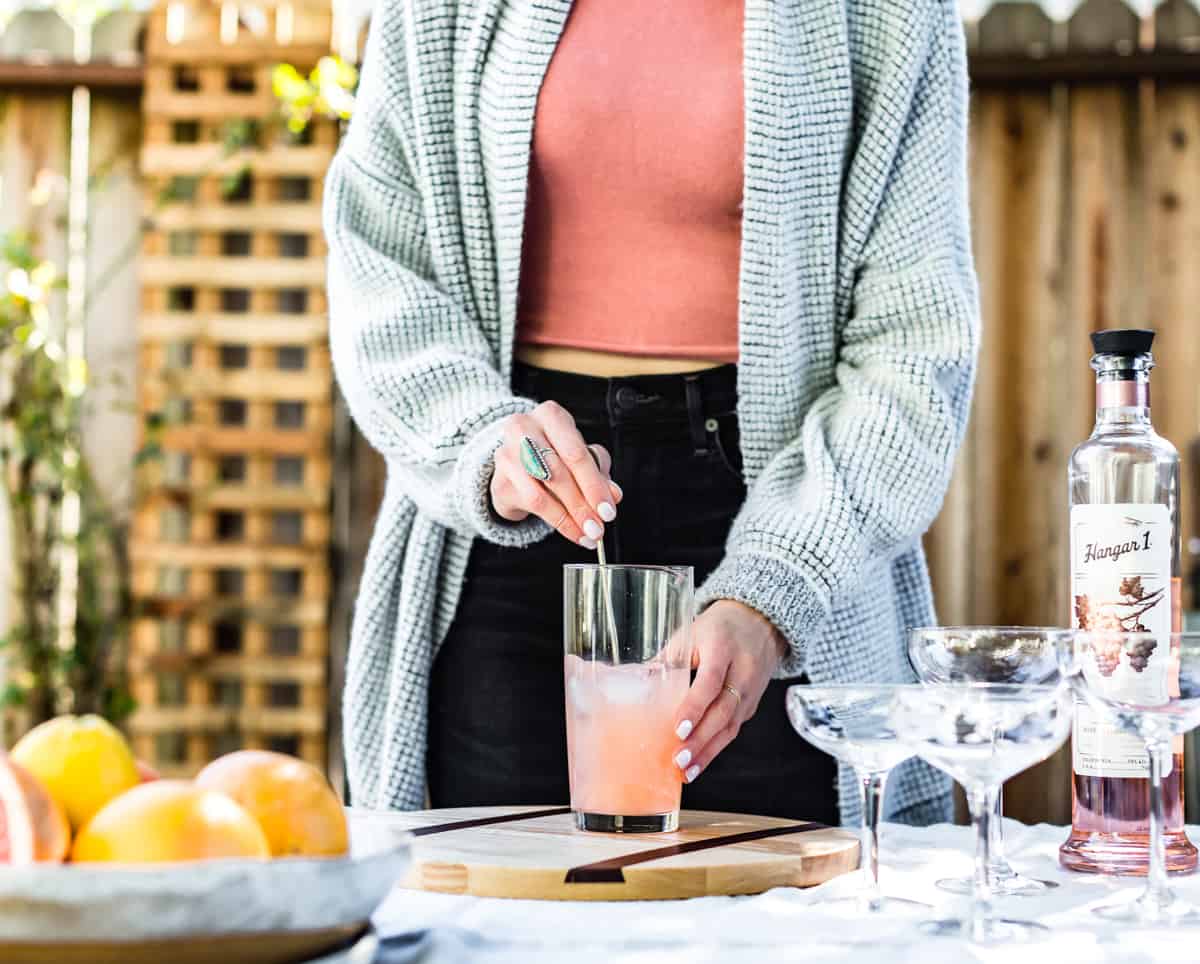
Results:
<point x="33" y="826"/>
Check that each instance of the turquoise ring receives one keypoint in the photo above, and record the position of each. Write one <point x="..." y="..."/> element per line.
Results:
<point x="533" y="459"/>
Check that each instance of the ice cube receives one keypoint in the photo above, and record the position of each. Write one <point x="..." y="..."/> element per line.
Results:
<point x="580" y="696"/>
<point x="627" y="685"/>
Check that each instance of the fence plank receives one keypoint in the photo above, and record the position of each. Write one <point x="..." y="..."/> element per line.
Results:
<point x="1102" y="26"/>
<point x="1177" y="26"/>
<point x="1175" y="281"/>
<point x="110" y="429"/>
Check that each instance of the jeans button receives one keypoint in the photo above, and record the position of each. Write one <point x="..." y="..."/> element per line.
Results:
<point x="627" y="397"/>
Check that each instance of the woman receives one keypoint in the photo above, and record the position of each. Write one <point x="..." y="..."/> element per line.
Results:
<point x="726" y="247"/>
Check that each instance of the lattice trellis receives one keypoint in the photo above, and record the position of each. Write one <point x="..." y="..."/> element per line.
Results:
<point x="231" y="536"/>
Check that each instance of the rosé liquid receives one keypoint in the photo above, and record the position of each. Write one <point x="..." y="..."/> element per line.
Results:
<point x="1110" y="819"/>
<point x="1110" y="816"/>
<point x="620" y="736"/>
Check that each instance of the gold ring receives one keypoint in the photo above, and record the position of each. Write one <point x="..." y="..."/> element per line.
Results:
<point x="734" y="693"/>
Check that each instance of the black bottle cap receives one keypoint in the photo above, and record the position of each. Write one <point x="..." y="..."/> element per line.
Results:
<point x="1123" y="341"/>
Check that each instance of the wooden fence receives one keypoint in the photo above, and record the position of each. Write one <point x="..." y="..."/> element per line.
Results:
<point x="1085" y="164"/>
<point x="1086" y="205"/>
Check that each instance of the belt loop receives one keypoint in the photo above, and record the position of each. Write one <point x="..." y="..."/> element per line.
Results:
<point x="695" y="407"/>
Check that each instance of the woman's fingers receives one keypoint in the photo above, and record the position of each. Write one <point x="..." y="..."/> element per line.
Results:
<point x="706" y="754"/>
<point x="604" y="461"/>
<point x="516" y="495"/>
<point x="730" y="680"/>
<point x="560" y="486"/>
<point x="585" y="475"/>
<point x="577" y="499"/>
<point x="706" y="687"/>
<point x="708" y="738"/>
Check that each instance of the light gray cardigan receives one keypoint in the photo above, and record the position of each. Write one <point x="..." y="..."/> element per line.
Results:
<point x="858" y="334"/>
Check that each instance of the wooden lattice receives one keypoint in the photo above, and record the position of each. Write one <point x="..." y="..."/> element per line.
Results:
<point x="231" y="536"/>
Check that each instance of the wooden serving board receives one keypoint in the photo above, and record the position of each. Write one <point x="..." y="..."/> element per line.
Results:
<point x="536" y="853"/>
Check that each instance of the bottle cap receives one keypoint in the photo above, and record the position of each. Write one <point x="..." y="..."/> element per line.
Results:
<point x="1123" y="341"/>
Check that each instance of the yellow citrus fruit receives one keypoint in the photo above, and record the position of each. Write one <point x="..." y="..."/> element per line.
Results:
<point x="169" y="820"/>
<point x="292" y="801"/>
<point x="33" y="827"/>
<point x="83" y="761"/>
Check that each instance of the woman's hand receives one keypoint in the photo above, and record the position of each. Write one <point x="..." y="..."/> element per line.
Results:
<point x="732" y="646"/>
<point x="577" y="499"/>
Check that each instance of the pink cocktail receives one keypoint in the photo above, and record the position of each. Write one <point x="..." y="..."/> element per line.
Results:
<point x="627" y="669"/>
<point x="620" y="737"/>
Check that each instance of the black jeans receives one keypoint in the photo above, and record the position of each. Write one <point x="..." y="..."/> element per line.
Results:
<point x="497" y="730"/>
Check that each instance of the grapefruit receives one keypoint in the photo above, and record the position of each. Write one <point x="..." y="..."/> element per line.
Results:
<point x="33" y="826"/>
<point x="169" y="820"/>
<point x="291" y="799"/>
<point x="83" y="761"/>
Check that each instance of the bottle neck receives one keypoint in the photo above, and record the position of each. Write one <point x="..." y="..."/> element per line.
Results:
<point x="1122" y="402"/>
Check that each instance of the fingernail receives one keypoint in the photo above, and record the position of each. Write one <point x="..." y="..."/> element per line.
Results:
<point x="607" y="511"/>
<point x="620" y="492"/>
<point x="691" y="774"/>
<point x="588" y="544"/>
<point x="683" y="758"/>
<point x="684" y="729"/>
<point x="592" y="529"/>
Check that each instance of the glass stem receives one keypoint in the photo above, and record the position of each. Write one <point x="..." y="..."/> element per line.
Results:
<point x="998" y="865"/>
<point x="871" y="796"/>
<point x="983" y="805"/>
<point x="1158" y="890"/>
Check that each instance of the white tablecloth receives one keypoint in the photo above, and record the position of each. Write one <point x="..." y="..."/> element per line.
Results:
<point x="791" y="925"/>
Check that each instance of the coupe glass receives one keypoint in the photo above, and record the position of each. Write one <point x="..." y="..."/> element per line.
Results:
<point x="853" y="724"/>
<point x="1108" y="671"/>
<point x="627" y="666"/>
<point x="989" y="654"/>
<point x="982" y="734"/>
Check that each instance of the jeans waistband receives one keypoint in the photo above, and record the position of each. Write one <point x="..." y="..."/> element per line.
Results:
<point x="711" y="393"/>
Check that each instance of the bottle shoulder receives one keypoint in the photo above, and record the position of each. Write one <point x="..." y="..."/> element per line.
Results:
<point x="1139" y="446"/>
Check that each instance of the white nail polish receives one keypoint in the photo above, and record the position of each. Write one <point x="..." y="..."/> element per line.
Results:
<point x="588" y="544"/>
<point x="684" y="729"/>
<point x="620" y="492"/>
<point x="691" y="774"/>
<point x="683" y="758"/>
<point x="607" y="511"/>
<point x="592" y="529"/>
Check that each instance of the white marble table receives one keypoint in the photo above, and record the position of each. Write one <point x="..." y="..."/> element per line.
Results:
<point x="787" y="925"/>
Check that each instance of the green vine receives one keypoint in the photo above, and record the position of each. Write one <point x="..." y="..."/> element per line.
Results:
<point x="49" y="671"/>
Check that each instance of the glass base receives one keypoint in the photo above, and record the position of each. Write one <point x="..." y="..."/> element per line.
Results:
<point x="1005" y="882"/>
<point x="889" y="906"/>
<point x="620" y="823"/>
<point x="1152" y="912"/>
<point x="1124" y="854"/>
<point x="995" y="930"/>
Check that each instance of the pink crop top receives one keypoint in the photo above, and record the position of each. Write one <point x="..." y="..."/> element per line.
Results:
<point x="633" y="222"/>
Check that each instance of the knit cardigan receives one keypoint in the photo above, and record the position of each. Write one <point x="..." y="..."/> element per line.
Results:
<point x="858" y="332"/>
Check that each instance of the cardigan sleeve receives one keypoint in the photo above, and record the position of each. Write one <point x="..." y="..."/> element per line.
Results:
<point x="410" y="354"/>
<point x="868" y="473"/>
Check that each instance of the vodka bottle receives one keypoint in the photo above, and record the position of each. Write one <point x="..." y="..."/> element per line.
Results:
<point x="1125" y="577"/>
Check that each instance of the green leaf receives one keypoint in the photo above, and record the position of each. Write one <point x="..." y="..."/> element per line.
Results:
<point x="13" y="695"/>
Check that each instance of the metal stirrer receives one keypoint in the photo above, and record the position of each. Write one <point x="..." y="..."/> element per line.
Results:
<point x="606" y="584"/>
<point x="606" y="589"/>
